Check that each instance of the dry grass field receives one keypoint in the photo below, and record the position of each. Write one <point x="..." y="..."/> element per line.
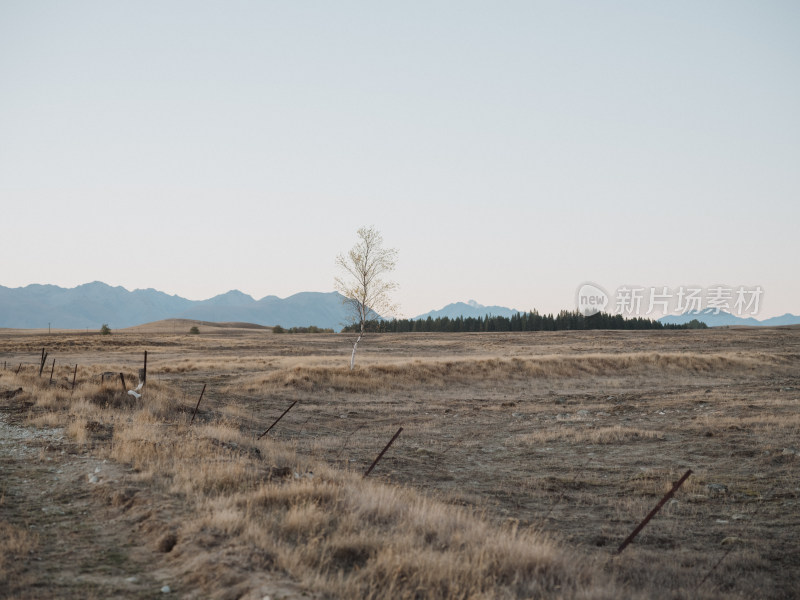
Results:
<point x="524" y="461"/>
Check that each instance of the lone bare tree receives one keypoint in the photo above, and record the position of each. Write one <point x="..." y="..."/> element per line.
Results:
<point x="362" y="282"/>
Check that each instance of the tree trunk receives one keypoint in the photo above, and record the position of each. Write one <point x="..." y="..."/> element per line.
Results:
<point x="355" y="345"/>
<point x="353" y="356"/>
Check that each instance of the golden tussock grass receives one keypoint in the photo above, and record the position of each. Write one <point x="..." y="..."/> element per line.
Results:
<point x="438" y="373"/>
<point x="216" y="364"/>
<point x="365" y="539"/>
<point x="77" y="430"/>
<point x="16" y="544"/>
<point x="334" y="531"/>
<point x="496" y="421"/>
<point x="15" y="541"/>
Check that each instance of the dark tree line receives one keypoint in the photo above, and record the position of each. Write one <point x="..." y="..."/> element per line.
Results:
<point x="530" y="321"/>
<point x="309" y="329"/>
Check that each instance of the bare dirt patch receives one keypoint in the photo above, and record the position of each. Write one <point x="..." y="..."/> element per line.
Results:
<point x="75" y="525"/>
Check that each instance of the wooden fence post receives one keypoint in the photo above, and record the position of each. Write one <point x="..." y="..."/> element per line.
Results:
<point x="276" y="420"/>
<point x="375" y="462"/>
<point x="653" y="512"/>
<point x="198" y="403"/>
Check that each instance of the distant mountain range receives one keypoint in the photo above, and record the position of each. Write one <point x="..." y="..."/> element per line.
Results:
<point x="468" y="309"/>
<point x="723" y="319"/>
<point x="93" y="304"/>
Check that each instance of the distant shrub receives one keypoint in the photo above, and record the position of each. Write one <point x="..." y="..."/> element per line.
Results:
<point x="309" y="329"/>
<point x="105" y="329"/>
<point x="194" y="330"/>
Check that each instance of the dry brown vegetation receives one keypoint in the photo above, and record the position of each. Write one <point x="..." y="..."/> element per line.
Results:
<point x="331" y="529"/>
<point x="525" y="459"/>
<point x="445" y="373"/>
<point x="15" y="545"/>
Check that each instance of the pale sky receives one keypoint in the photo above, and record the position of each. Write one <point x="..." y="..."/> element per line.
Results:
<point x="510" y="151"/>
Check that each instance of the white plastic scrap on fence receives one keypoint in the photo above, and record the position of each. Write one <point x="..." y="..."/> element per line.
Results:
<point x="135" y="392"/>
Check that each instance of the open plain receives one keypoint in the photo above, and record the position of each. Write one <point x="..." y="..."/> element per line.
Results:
<point x="524" y="461"/>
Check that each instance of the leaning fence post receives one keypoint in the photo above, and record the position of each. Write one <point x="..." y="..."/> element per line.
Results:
<point x="124" y="387"/>
<point x="53" y="368"/>
<point x="74" y="375"/>
<point x="44" y="360"/>
<point x="653" y="512"/>
<point x="375" y="462"/>
<point x="198" y="401"/>
<point x="276" y="420"/>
